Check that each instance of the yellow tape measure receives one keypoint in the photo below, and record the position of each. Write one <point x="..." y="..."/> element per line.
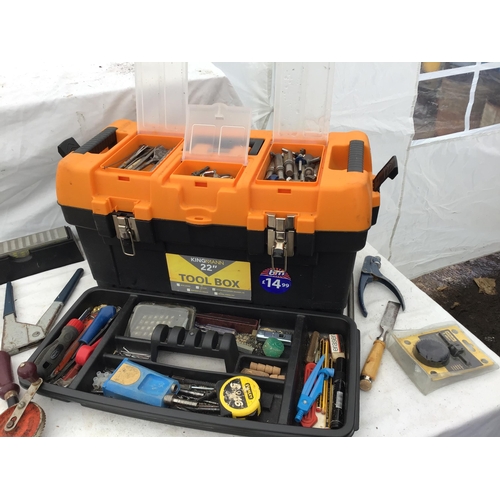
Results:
<point x="239" y="397"/>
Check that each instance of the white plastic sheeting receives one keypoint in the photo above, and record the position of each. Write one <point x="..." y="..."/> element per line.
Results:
<point x="39" y="108"/>
<point x="442" y="208"/>
<point x="450" y="210"/>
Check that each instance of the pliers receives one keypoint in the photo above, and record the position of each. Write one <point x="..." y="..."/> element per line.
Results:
<point x="371" y="272"/>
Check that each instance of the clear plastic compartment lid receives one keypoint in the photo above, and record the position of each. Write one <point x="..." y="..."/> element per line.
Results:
<point x="302" y="102"/>
<point x="217" y="132"/>
<point x="161" y="92"/>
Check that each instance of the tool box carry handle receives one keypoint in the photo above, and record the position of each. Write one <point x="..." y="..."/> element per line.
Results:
<point x="388" y="171"/>
<point x="356" y="156"/>
<point x="103" y="140"/>
<point x="255" y="145"/>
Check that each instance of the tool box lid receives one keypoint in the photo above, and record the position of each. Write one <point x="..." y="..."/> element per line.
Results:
<point x="161" y="92"/>
<point x="217" y="132"/>
<point x="302" y="102"/>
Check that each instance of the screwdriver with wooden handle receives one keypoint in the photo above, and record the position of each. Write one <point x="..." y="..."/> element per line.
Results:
<point x="372" y="363"/>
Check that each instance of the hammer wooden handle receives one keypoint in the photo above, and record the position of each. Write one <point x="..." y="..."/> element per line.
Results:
<point x="372" y="363"/>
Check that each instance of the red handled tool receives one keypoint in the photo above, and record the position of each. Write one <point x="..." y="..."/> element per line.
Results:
<point x="87" y="343"/>
<point x="81" y="357"/>
<point x="70" y="353"/>
<point x="104" y="315"/>
<point x="310" y="418"/>
<point x="52" y="355"/>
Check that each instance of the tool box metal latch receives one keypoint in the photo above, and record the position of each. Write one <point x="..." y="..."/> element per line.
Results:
<point x="280" y="237"/>
<point x="127" y="233"/>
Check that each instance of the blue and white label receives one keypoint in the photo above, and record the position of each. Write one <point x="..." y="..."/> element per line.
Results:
<point x="275" y="280"/>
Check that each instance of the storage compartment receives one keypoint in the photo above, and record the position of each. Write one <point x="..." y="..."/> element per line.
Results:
<point x="157" y="151"/>
<point x="204" y="358"/>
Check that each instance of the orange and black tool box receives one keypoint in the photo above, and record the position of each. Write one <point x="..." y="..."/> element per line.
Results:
<point x="244" y="238"/>
<point x="229" y="224"/>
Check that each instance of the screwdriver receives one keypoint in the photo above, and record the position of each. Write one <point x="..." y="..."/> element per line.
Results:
<point x="81" y="357"/>
<point x="70" y="353"/>
<point x="88" y="341"/>
<point x="105" y="314"/>
<point x="74" y="346"/>
<point x="50" y="357"/>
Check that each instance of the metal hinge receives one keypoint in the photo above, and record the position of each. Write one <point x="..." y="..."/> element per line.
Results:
<point x="126" y="231"/>
<point x="280" y="237"/>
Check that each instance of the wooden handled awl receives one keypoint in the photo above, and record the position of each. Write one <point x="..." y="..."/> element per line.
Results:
<point x="372" y="363"/>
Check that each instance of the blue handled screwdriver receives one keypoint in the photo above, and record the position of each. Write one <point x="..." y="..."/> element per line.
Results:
<point x="104" y="316"/>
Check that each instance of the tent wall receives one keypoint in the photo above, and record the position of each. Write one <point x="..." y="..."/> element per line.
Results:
<point x="378" y="98"/>
<point x="450" y="210"/>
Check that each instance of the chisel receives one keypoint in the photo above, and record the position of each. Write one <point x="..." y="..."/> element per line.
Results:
<point x="373" y="360"/>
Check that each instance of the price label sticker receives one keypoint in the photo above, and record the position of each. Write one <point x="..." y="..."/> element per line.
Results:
<point x="275" y="280"/>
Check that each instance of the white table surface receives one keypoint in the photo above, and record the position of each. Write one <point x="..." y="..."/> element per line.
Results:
<point x="394" y="407"/>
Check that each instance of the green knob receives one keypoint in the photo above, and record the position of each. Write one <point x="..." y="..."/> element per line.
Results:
<point x="273" y="348"/>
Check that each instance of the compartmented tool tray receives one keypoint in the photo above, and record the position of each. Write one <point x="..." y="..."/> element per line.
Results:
<point x="279" y="397"/>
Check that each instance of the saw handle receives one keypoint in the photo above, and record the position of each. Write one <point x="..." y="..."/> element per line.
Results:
<point x="372" y="364"/>
<point x="7" y="384"/>
<point x="27" y="371"/>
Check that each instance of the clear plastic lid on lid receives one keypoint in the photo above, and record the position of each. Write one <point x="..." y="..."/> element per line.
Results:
<point x="217" y="132"/>
<point x="161" y="97"/>
<point x="302" y="102"/>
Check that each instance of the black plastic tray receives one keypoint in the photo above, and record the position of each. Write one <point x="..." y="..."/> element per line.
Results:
<point x="276" y="419"/>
